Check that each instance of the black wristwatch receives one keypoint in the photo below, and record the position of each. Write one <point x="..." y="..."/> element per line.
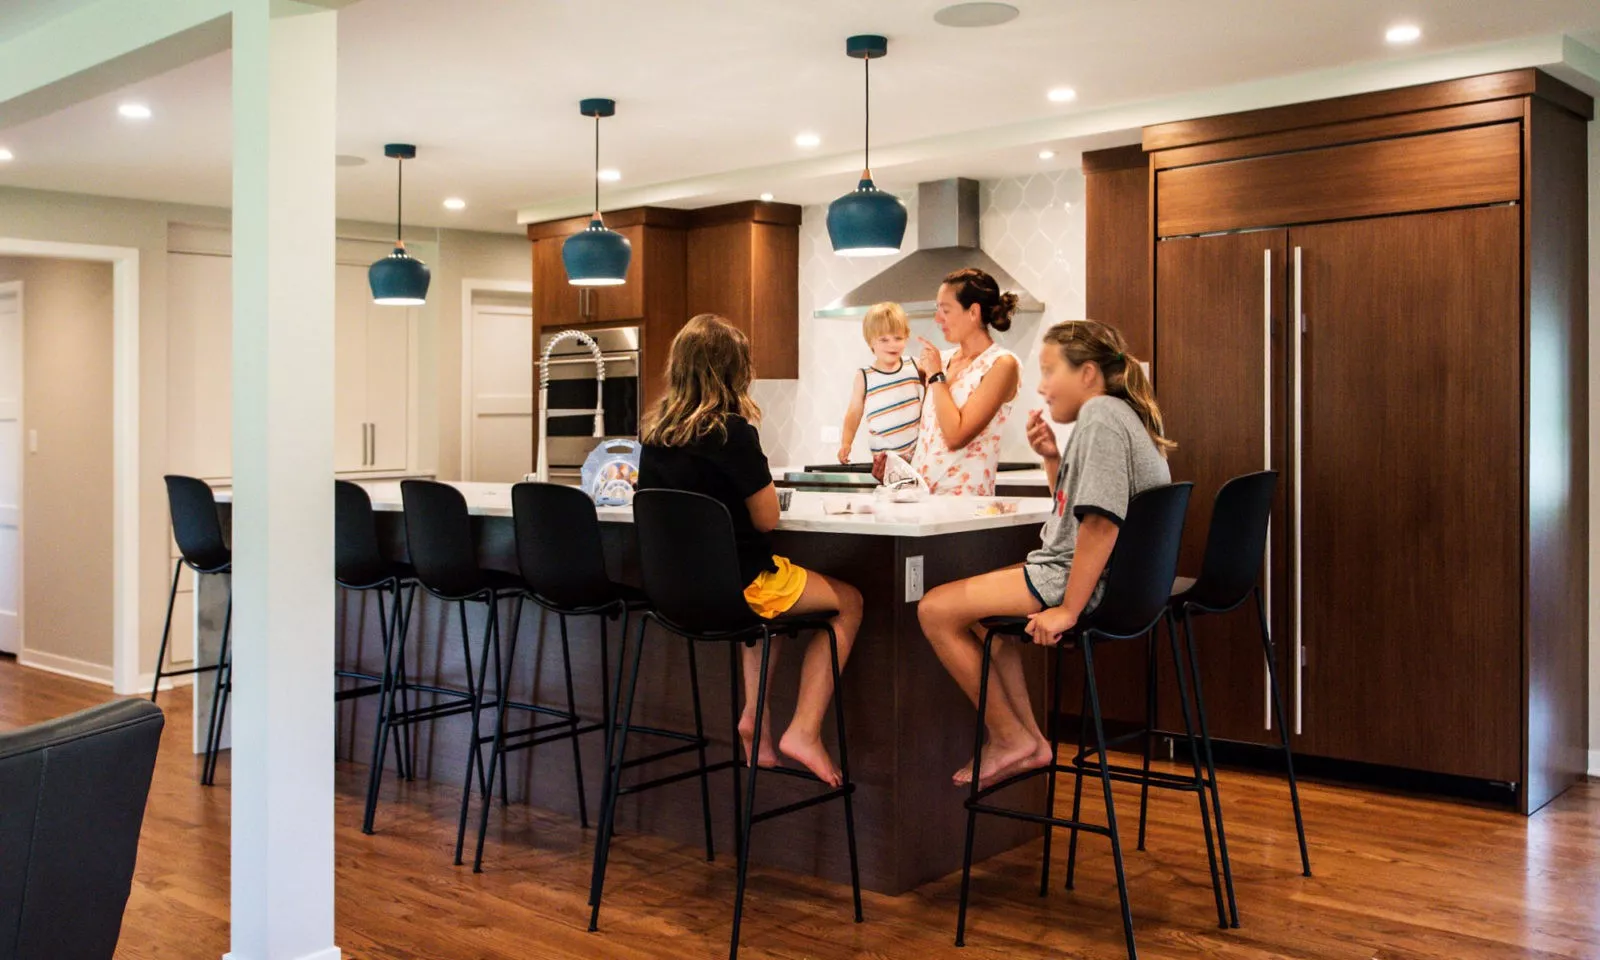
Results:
<point x="936" y="378"/>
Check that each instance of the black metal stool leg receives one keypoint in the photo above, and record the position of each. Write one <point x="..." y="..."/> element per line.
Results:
<point x="475" y="688"/>
<point x="406" y="735"/>
<point x="1149" y="729"/>
<point x="1105" y="781"/>
<point x="1283" y="731"/>
<point x="385" y="681"/>
<point x="735" y="674"/>
<point x="502" y="677"/>
<point x="219" y="697"/>
<point x="972" y="790"/>
<point x="1054" y="721"/>
<point x="608" y="813"/>
<point x="1211" y="768"/>
<point x="572" y="711"/>
<point x="613" y="714"/>
<point x="166" y="631"/>
<point x="750" y="801"/>
<point x="605" y="685"/>
<point x="497" y="748"/>
<point x="380" y="734"/>
<point x="1077" y="784"/>
<point x="844" y="772"/>
<point x="700" y="737"/>
<point x="1199" y="775"/>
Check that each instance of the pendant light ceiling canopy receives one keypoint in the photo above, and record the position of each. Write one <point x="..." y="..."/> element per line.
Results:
<point x="596" y="256"/>
<point x="867" y="222"/>
<point x="399" y="279"/>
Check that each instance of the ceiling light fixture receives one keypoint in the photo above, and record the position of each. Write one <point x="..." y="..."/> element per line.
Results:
<point x="1047" y="154"/>
<point x="399" y="279"/>
<point x="766" y="198"/>
<point x="610" y="175"/>
<point x="807" y="140"/>
<point x="1062" y="95"/>
<point x="6" y="155"/>
<point x="596" y="256"/>
<point x="1403" y="33"/>
<point x="975" y="15"/>
<point x="134" y="111"/>
<point x="455" y="203"/>
<point x="867" y="222"/>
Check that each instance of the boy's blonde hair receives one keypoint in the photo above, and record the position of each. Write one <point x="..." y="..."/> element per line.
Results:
<point x="884" y="319"/>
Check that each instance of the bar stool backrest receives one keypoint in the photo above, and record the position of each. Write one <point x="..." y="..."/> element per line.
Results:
<point x="195" y="524"/>
<point x="1237" y="541"/>
<point x="1143" y="563"/>
<point x="688" y="561"/>
<point x="559" y="550"/>
<point x="357" y="558"/>
<point x="439" y="538"/>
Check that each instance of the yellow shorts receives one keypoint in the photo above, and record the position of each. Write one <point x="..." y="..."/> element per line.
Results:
<point x="773" y="592"/>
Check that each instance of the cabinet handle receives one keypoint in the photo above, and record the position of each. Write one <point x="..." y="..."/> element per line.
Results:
<point x="366" y="444"/>
<point x="372" y="457"/>
<point x="1298" y="321"/>
<point x="1266" y="458"/>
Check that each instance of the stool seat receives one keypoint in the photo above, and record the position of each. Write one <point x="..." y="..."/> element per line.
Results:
<point x="629" y="596"/>
<point x="377" y="575"/>
<point x="497" y="582"/>
<point x="784" y="625"/>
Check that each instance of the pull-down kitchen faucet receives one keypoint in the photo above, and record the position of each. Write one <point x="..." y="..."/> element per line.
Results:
<point x="542" y="471"/>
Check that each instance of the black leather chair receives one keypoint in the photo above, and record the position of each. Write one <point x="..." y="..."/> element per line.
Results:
<point x="72" y="799"/>
<point x="202" y="547"/>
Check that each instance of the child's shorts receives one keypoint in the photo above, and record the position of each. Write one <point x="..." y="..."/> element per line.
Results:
<point x="773" y="592"/>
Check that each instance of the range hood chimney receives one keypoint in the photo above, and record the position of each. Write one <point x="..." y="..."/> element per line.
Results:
<point x="947" y="240"/>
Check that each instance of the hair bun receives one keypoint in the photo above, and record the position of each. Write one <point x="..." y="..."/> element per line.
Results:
<point x="1003" y="312"/>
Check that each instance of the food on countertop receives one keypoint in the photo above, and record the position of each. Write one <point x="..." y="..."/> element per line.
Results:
<point x="997" y="508"/>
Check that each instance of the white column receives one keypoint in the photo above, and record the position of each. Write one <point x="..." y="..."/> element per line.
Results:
<point x="284" y="66"/>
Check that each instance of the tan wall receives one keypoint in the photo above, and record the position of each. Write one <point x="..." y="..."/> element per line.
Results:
<point x="66" y="485"/>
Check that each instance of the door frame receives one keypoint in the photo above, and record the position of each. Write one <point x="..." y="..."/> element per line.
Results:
<point x="470" y="287"/>
<point x="125" y="579"/>
<point x="17" y="287"/>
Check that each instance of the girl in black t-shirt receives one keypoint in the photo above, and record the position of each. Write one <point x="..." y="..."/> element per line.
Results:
<point x="701" y="437"/>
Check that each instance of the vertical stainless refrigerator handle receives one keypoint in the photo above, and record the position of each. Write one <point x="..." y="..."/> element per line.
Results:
<point x="1266" y="454"/>
<point x="1298" y="322"/>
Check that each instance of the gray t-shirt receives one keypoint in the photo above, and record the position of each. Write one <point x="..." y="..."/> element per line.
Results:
<point x="1108" y="460"/>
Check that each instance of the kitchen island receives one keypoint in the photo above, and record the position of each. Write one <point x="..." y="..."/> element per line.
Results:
<point x="910" y="726"/>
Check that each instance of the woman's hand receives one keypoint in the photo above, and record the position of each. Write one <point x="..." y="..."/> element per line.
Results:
<point x="930" y="361"/>
<point x="1041" y="437"/>
<point x="1047" y="626"/>
<point x="880" y="462"/>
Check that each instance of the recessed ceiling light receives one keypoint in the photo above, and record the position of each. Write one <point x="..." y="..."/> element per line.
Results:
<point x="455" y="203"/>
<point x="765" y="197"/>
<point x="976" y="14"/>
<point x="1403" y="33"/>
<point x="807" y="140"/>
<point x="1047" y="154"/>
<point x="1062" y="95"/>
<point x="6" y="155"/>
<point x="610" y="175"/>
<point x="134" y="111"/>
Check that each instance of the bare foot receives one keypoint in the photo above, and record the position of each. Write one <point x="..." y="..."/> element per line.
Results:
<point x="810" y="752"/>
<point x="747" y="729"/>
<point x="1002" y="760"/>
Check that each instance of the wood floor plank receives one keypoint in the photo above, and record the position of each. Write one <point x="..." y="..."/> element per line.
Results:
<point x="1398" y="877"/>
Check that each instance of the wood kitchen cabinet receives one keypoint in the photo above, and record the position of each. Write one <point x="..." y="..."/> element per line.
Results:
<point x="744" y="264"/>
<point x="1383" y="298"/>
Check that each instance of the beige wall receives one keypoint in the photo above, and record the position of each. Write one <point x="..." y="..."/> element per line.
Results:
<point x="66" y="485"/>
<point x="1594" y="448"/>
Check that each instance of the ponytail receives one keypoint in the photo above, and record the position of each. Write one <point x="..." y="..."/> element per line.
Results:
<point x="1089" y="341"/>
<point x="972" y="286"/>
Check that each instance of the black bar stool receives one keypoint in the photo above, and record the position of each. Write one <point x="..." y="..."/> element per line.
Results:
<point x="359" y="565"/>
<point x="1138" y="582"/>
<point x="201" y="546"/>
<point x="444" y="556"/>
<point x="563" y="566"/>
<point x="1229" y="574"/>
<point x="691" y="576"/>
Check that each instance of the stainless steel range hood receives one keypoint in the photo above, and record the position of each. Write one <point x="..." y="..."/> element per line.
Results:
<point x="947" y="240"/>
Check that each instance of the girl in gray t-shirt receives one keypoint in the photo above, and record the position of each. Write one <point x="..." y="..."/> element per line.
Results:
<point x="1117" y="450"/>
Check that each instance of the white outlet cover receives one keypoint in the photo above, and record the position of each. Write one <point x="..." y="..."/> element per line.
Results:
<point x="914" y="585"/>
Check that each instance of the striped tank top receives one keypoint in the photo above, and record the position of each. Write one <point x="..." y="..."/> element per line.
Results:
<point x="893" y="407"/>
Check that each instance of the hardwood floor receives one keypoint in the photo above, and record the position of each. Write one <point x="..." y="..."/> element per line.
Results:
<point x="1396" y="877"/>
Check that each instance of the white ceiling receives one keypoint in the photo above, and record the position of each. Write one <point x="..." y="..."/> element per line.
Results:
<point x="711" y="93"/>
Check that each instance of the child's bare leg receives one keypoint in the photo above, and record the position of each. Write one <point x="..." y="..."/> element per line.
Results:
<point x="1006" y="664"/>
<point x="751" y="660"/>
<point x="947" y="613"/>
<point x="802" y="742"/>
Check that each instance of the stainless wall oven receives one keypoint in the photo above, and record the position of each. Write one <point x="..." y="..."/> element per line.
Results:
<point x="572" y="387"/>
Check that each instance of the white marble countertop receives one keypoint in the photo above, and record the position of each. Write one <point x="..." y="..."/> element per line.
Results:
<point x="937" y="515"/>
<point x="1033" y="476"/>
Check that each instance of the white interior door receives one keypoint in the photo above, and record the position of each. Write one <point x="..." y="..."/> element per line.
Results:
<point x="10" y="467"/>
<point x="500" y="392"/>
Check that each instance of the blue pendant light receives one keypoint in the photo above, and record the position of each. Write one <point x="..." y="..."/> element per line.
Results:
<point x="596" y="256"/>
<point x="867" y="222"/>
<point x="399" y="279"/>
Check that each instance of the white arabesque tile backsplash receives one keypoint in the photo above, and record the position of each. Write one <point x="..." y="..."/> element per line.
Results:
<point x="1033" y="226"/>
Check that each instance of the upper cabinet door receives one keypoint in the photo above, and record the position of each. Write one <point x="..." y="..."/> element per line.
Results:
<point x="555" y="301"/>
<point x="200" y="331"/>
<point x="1218" y="373"/>
<point x="1412" y="506"/>
<point x="625" y="302"/>
<point x="352" y="300"/>
<point x="388" y="362"/>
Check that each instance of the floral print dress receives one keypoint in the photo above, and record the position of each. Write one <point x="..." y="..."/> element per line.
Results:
<point x="970" y="470"/>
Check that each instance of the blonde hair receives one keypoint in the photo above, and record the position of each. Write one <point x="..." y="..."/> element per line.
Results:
<point x="708" y="380"/>
<point x="884" y="319"/>
<point x="1089" y="341"/>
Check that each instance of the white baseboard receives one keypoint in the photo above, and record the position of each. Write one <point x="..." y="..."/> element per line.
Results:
<point x="169" y="683"/>
<point x="66" y="666"/>
<point x="1594" y="764"/>
<point x="332" y="953"/>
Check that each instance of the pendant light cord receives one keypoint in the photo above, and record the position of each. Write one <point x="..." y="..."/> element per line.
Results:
<point x="399" y="194"/>
<point x="597" y="164"/>
<point x="866" y="138"/>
